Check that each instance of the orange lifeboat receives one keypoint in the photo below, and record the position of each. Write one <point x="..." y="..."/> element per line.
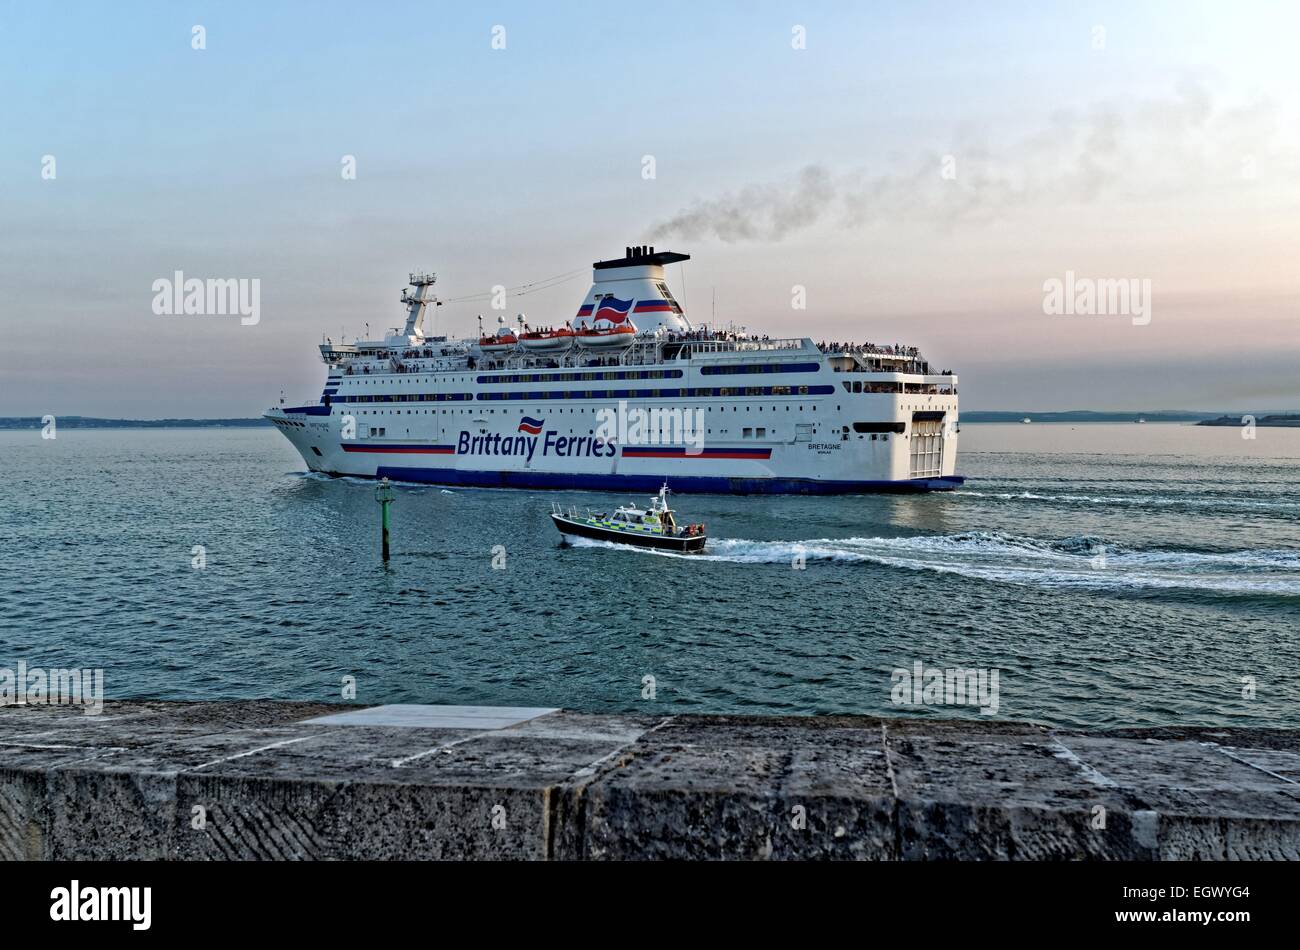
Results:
<point x="609" y="336"/>
<point x="547" y="339"/>
<point x="505" y="339"/>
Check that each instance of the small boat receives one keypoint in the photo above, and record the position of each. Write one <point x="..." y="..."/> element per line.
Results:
<point x="653" y="527"/>
<point x="1026" y="420"/>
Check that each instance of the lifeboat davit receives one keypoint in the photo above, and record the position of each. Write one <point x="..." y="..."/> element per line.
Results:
<point x="548" y="340"/>
<point x="605" y="336"/>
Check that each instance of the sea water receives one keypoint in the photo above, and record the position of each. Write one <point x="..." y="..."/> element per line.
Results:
<point x="1110" y="574"/>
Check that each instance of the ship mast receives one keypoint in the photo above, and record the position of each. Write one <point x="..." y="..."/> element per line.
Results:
<point x="417" y="302"/>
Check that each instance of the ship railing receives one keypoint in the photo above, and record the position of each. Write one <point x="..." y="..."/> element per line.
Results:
<point x="739" y="346"/>
<point x="641" y="353"/>
<point x="903" y="369"/>
<point x="897" y="352"/>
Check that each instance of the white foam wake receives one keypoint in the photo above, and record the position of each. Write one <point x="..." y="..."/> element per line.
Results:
<point x="1070" y="562"/>
<point x="1210" y="502"/>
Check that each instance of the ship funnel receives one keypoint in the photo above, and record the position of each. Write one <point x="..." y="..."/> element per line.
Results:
<point x="634" y="289"/>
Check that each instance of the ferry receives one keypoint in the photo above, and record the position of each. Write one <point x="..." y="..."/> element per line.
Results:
<point x="653" y="527"/>
<point x="525" y="407"/>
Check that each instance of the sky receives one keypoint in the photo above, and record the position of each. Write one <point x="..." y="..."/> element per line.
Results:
<point x="916" y="172"/>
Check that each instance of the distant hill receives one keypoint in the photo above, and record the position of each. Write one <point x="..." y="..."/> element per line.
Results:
<point x="90" y="422"/>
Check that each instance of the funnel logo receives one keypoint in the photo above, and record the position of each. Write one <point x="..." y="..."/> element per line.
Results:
<point x="613" y="310"/>
<point x="530" y="425"/>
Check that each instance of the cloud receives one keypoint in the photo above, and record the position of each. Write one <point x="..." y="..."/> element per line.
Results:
<point x="1135" y="154"/>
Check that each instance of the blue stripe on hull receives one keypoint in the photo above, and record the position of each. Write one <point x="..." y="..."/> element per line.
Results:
<point x="690" y="483"/>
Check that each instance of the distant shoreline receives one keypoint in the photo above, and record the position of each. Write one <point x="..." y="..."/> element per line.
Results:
<point x="90" y="422"/>
<point x="1160" y="415"/>
<point x="1278" y="421"/>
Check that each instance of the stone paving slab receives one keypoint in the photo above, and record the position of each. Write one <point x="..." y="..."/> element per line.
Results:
<point x="434" y="717"/>
<point x="289" y="781"/>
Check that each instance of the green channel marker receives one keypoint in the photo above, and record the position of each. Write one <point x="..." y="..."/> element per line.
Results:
<point x="384" y="495"/>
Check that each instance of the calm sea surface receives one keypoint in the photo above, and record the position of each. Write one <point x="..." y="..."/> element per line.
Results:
<point x="1112" y="574"/>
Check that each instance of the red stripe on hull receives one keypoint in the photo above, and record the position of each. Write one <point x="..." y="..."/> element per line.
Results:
<point x="703" y="455"/>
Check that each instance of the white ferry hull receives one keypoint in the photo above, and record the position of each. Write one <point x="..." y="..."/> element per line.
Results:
<point x="765" y="416"/>
<point x="486" y="448"/>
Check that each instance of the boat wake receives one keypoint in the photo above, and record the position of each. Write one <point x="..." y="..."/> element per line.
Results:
<point x="1078" y="562"/>
<point x="1217" y="503"/>
<point x="360" y="481"/>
